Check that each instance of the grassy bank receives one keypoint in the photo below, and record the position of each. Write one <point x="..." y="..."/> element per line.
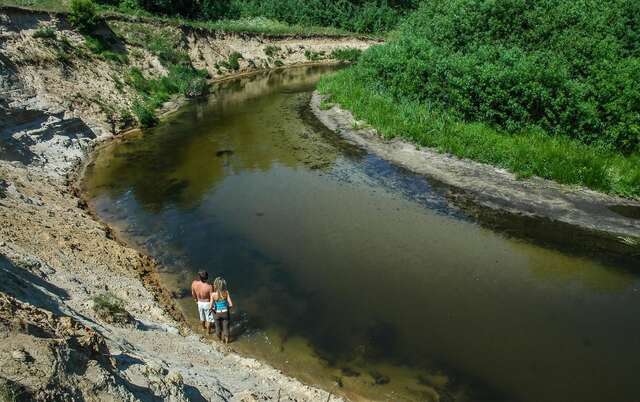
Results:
<point x="526" y="153"/>
<point x="255" y="24"/>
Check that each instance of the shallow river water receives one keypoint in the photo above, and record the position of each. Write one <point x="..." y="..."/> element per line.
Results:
<point x="356" y="275"/>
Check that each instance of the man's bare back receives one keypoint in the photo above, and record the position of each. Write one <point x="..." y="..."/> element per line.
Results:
<point x="201" y="291"/>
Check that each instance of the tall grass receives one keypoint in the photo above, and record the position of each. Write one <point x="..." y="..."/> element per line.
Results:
<point x="44" y="5"/>
<point x="259" y="24"/>
<point x="526" y="153"/>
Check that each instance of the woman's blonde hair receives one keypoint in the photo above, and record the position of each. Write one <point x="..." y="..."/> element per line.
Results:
<point x="220" y="286"/>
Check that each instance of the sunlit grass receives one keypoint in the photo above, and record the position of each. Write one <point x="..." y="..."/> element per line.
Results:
<point x="259" y="25"/>
<point x="531" y="153"/>
<point x="45" y="5"/>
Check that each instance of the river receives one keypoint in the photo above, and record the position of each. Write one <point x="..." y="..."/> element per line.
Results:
<point x="354" y="274"/>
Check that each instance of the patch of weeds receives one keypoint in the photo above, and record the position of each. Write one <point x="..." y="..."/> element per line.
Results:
<point x="45" y="32"/>
<point x="314" y="56"/>
<point x="233" y="63"/>
<point x="182" y="79"/>
<point x="271" y="50"/>
<point x="350" y="55"/>
<point x="102" y="48"/>
<point x="111" y="309"/>
<point x="83" y="15"/>
<point x="165" y="43"/>
<point x="278" y="63"/>
<point x="145" y="113"/>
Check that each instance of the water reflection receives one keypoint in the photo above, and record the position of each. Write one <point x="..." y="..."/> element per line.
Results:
<point x="356" y="272"/>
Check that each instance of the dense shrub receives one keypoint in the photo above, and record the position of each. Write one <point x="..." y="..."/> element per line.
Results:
<point x="569" y="68"/>
<point x="83" y="15"/>
<point x="352" y="15"/>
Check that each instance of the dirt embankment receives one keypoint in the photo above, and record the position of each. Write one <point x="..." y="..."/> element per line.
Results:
<point x="57" y="100"/>
<point x="572" y="216"/>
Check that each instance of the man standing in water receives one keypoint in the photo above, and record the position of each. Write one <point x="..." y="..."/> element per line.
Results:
<point x="201" y="291"/>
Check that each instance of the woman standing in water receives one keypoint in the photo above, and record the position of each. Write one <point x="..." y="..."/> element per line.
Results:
<point x="221" y="303"/>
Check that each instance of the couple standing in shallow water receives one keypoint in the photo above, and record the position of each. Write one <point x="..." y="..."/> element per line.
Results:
<point x="214" y="303"/>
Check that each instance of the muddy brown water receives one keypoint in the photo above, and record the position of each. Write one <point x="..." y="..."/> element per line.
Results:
<point x="356" y="275"/>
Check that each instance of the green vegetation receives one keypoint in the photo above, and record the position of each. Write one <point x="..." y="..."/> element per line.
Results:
<point x="350" y="55"/>
<point x="181" y="78"/>
<point x="233" y="62"/>
<point x="539" y="87"/>
<point x="230" y="23"/>
<point x="83" y="15"/>
<point x="369" y="16"/>
<point x="111" y="309"/>
<point x="313" y="55"/>
<point x="527" y="153"/>
<point x="271" y="50"/>
<point x="47" y="5"/>
<point x="45" y="32"/>
<point x="101" y="47"/>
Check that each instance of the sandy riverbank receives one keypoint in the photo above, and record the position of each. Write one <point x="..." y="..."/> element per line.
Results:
<point x="582" y="218"/>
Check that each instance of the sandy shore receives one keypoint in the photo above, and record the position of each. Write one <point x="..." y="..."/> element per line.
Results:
<point x="583" y="218"/>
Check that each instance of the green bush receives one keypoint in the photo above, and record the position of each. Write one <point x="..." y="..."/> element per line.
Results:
<point x="233" y="63"/>
<point x="569" y="68"/>
<point x="129" y="6"/>
<point x="313" y="55"/>
<point x="145" y="113"/>
<point x="271" y="50"/>
<point x="347" y="54"/>
<point x="181" y="79"/>
<point x="83" y="15"/>
<point x="368" y="16"/>
<point x="45" y="33"/>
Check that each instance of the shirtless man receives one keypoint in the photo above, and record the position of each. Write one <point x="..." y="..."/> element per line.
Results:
<point x="201" y="291"/>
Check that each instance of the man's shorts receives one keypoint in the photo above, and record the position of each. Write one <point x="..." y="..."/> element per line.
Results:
<point x="204" y="310"/>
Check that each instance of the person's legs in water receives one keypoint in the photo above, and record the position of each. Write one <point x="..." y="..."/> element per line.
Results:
<point x="225" y="328"/>
<point x="204" y="310"/>
<point x="218" y="325"/>
<point x="222" y="326"/>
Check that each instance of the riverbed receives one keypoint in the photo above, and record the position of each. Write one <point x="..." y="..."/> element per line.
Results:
<point x="357" y="275"/>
